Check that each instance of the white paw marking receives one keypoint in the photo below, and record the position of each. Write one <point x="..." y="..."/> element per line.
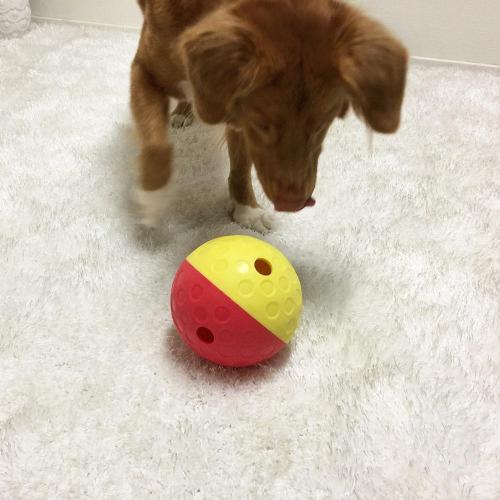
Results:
<point x="151" y="205"/>
<point x="181" y="121"/>
<point x="254" y="218"/>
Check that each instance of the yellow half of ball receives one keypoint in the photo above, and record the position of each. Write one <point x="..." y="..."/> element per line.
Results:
<point x="257" y="277"/>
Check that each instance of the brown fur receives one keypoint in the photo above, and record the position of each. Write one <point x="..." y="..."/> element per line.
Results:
<point x="277" y="72"/>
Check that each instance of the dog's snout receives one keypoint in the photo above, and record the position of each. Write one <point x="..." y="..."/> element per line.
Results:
<point x="289" y="186"/>
<point x="291" y="197"/>
<point x="293" y="205"/>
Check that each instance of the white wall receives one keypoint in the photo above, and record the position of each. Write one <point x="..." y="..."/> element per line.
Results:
<point x="118" y="12"/>
<point x="460" y="30"/>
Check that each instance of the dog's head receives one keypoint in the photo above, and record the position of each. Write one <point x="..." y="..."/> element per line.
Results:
<point x="281" y="71"/>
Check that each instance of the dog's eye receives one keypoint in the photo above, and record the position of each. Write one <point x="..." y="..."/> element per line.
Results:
<point x="264" y="127"/>
<point x="259" y="120"/>
<point x="265" y="131"/>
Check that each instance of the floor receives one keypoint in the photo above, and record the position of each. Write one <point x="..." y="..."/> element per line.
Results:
<point x="391" y="388"/>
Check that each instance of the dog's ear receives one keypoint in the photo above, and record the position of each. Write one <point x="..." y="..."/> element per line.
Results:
<point x="223" y="61"/>
<point x="372" y="65"/>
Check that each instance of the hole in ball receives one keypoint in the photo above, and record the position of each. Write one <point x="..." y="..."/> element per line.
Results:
<point x="263" y="267"/>
<point x="205" y="335"/>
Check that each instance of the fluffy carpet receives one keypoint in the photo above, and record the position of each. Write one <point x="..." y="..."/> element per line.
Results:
<point x="392" y="387"/>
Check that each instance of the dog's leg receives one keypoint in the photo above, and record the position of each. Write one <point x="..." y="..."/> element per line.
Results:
<point x="244" y="207"/>
<point x="182" y="116"/>
<point x="150" y="109"/>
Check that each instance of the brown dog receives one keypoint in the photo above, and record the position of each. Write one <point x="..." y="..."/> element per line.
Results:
<point x="276" y="72"/>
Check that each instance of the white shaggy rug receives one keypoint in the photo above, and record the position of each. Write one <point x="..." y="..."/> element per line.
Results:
<point x="392" y="387"/>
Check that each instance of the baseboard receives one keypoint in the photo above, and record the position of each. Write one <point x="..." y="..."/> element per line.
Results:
<point x="42" y="19"/>
<point x="450" y="61"/>
<point x="135" y="28"/>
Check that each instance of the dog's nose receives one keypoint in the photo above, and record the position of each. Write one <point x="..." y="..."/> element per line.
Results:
<point x="284" y="205"/>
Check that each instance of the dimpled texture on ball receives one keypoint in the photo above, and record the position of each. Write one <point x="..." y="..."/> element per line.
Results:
<point x="214" y="326"/>
<point x="274" y="300"/>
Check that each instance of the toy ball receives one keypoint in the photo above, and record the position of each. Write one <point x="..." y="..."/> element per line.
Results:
<point x="236" y="301"/>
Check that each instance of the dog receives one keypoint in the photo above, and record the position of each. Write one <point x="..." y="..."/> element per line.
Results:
<point x="276" y="73"/>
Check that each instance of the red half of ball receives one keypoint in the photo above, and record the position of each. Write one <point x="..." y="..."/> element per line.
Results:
<point x="214" y="326"/>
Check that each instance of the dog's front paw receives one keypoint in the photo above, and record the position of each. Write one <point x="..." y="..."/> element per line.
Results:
<point x="254" y="218"/>
<point x="151" y="205"/>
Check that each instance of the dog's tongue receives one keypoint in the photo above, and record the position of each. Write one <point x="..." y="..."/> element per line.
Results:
<point x="310" y="202"/>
